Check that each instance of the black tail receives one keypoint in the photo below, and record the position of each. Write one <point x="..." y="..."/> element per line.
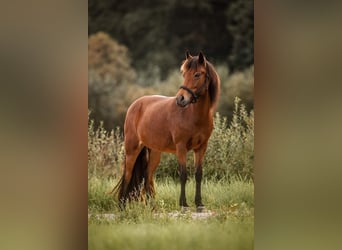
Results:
<point x="132" y="192"/>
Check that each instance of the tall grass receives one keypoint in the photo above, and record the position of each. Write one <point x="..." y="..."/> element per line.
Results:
<point x="105" y="151"/>
<point x="229" y="154"/>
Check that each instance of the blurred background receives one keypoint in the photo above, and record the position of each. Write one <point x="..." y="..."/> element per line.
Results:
<point x="135" y="48"/>
<point x="44" y="46"/>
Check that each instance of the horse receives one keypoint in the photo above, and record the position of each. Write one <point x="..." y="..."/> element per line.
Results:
<point x="176" y="125"/>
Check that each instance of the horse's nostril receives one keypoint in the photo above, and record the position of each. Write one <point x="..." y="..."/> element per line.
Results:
<point x="181" y="100"/>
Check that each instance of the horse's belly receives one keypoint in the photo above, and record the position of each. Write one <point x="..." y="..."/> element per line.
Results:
<point x="159" y="146"/>
<point x="157" y="140"/>
<point x="194" y="143"/>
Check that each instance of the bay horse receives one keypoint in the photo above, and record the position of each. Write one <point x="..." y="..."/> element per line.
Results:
<point x="178" y="124"/>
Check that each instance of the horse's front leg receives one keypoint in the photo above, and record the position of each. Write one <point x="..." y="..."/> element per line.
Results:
<point x="181" y="156"/>
<point x="199" y="156"/>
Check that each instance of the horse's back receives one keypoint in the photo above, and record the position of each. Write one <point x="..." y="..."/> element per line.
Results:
<point x="150" y="103"/>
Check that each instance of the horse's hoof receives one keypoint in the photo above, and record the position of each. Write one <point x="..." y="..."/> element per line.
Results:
<point x="185" y="209"/>
<point x="200" y="209"/>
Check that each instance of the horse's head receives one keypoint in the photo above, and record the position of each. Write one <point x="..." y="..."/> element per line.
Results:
<point x="196" y="79"/>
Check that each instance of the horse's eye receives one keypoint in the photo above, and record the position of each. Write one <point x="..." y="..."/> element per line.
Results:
<point x="197" y="74"/>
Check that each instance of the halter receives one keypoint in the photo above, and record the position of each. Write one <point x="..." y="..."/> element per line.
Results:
<point x="195" y="95"/>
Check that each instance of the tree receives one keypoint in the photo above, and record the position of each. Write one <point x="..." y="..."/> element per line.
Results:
<point x="157" y="32"/>
<point x="240" y="24"/>
<point x="109" y="73"/>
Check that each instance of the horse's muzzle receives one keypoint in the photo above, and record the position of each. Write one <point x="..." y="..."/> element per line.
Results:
<point x="182" y="102"/>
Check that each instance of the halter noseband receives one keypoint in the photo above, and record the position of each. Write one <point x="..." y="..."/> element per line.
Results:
<point x="195" y="95"/>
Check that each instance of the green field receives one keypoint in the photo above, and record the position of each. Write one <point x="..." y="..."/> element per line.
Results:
<point x="229" y="226"/>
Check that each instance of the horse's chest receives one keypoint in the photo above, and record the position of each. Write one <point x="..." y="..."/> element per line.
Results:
<point x="197" y="137"/>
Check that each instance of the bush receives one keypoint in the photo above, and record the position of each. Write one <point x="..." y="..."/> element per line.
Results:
<point x="230" y="150"/>
<point x="105" y="151"/>
<point x="240" y="84"/>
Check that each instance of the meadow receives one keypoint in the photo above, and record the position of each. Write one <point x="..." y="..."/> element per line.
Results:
<point x="227" y="192"/>
<point x="229" y="224"/>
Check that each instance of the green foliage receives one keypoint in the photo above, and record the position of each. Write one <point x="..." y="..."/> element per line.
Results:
<point x="158" y="31"/>
<point x="230" y="151"/>
<point x="110" y="74"/>
<point x="109" y="60"/>
<point x="240" y="24"/>
<point x="240" y="84"/>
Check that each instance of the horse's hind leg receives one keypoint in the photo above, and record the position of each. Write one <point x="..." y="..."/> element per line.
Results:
<point x="132" y="148"/>
<point x="154" y="159"/>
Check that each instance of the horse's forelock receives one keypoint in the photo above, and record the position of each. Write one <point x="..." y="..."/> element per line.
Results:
<point x="191" y="63"/>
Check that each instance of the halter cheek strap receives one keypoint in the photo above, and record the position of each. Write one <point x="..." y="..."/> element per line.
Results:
<point x="195" y="95"/>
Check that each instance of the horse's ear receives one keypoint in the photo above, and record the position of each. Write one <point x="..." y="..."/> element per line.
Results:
<point x="201" y="58"/>
<point x="187" y="55"/>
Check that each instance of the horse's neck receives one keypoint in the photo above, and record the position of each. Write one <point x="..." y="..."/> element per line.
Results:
<point x="202" y="109"/>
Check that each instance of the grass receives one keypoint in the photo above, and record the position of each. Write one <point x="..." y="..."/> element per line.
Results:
<point x="175" y="235"/>
<point x="230" y="227"/>
<point x="215" y="194"/>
